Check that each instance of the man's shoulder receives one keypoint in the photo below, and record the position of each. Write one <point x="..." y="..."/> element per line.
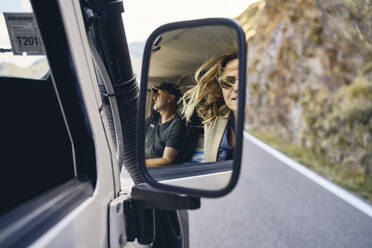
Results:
<point x="176" y="125"/>
<point x="179" y="121"/>
<point x="178" y="118"/>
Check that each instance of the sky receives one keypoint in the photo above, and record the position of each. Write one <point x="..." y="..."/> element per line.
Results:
<point x="10" y="6"/>
<point x="141" y="17"/>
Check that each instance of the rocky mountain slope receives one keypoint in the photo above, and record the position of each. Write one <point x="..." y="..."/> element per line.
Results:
<point x="36" y="70"/>
<point x="310" y="76"/>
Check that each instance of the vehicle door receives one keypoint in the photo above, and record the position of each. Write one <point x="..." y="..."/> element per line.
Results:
<point x="72" y="118"/>
<point x="57" y="178"/>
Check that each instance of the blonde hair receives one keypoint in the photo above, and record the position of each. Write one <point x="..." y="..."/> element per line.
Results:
<point x="206" y="96"/>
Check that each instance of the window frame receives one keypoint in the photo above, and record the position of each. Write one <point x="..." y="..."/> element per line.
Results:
<point x="27" y="222"/>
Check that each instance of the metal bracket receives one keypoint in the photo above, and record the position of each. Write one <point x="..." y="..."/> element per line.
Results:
<point x="6" y="50"/>
<point x="140" y="223"/>
<point x="145" y="196"/>
<point x="117" y="228"/>
<point x="134" y="217"/>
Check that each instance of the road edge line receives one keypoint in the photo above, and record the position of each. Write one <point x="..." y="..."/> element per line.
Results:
<point x="331" y="187"/>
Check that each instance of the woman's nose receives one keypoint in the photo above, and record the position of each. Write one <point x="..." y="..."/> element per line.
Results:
<point x="236" y="85"/>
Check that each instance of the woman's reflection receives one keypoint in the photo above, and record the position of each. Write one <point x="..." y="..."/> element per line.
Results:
<point x="215" y="98"/>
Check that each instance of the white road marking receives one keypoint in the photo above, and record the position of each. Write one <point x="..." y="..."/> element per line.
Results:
<point x="331" y="187"/>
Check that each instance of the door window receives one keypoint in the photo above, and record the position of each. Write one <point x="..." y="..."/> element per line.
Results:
<point x="48" y="164"/>
<point x="25" y="65"/>
<point x="36" y="153"/>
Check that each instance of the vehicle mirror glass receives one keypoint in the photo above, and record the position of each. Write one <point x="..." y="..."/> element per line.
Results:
<point x="190" y="93"/>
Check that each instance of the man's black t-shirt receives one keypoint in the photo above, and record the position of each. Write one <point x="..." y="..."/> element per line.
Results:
<point x="158" y="136"/>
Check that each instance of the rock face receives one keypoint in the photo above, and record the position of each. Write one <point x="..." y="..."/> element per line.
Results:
<point x="310" y="75"/>
<point x="36" y="71"/>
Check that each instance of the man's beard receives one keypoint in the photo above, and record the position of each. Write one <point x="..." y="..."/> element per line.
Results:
<point x="158" y="107"/>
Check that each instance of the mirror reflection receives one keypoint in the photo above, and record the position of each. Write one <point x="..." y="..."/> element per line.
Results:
<point x="192" y="103"/>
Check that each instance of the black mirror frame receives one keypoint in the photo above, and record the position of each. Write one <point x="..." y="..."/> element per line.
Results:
<point x="242" y="54"/>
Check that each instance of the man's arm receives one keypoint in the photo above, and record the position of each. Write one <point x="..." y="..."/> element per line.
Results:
<point x="169" y="156"/>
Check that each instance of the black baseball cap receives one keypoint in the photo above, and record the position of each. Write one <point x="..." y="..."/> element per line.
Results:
<point x="170" y="87"/>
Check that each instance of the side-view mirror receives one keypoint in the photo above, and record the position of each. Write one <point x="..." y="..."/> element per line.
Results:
<point x="191" y="107"/>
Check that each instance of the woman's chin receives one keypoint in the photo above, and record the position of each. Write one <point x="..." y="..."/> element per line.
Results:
<point x="233" y="108"/>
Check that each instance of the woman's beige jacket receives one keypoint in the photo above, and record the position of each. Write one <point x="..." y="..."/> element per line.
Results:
<point x="213" y="133"/>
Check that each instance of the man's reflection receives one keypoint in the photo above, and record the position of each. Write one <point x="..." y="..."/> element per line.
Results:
<point x="165" y="131"/>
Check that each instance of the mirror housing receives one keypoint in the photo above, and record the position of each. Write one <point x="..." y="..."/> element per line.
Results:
<point x="152" y="44"/>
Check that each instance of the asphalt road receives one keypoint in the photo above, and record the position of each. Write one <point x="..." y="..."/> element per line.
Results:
<point x="275" y="206"/>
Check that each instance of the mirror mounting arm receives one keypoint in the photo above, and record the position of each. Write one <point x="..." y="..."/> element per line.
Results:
<point x="145" y="196"/>
<point x="140" y="210"/>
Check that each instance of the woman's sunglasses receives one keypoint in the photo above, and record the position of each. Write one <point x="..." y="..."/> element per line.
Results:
<point x="227" y="82"/>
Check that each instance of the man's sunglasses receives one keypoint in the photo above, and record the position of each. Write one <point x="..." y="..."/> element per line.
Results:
<point x="226" y="82"/>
